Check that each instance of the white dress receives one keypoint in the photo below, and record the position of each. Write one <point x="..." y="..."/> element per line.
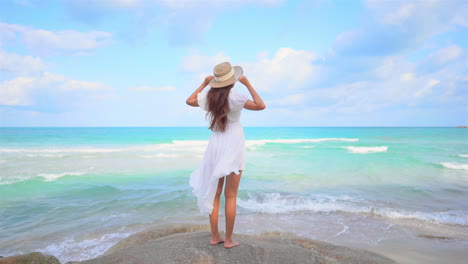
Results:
<point x="224" y="154"/>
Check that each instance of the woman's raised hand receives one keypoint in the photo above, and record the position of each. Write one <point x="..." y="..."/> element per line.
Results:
<point x="243" y="79"/>
<point x="257" y="103"/>
<point x="208" y="79"/>
<point x="192" y="100"/>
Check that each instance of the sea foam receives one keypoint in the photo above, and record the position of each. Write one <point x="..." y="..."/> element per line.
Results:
<point x="159" y="155"/>
<point x="454" y="165"/>
<point x="276" y="203"/>
<point x="175" y="145"/>
<point x="54" y="176"/>
<point x="297" y="141"/>
<point x="82" y="249"/>
<point x="45" y="155"/>
<point x="61" y="150"/>
<point x="463" y="155"/>
<point x="280" y="203"/>
<point x="366" y="150"/>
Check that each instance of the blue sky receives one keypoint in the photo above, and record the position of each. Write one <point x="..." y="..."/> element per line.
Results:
<point x="315" y="63"/>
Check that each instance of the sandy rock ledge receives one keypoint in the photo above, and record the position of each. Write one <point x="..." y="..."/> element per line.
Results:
<point x="181" y="243"/>
<point x="189" y="244"/>
<point x="31" y="258"/>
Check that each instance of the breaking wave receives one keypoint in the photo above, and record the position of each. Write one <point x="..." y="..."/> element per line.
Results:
<point x="366" y="150"/>
<point x="274" y="203"/>
<point x="454" y="165"/>
<point x="54" y="176"/>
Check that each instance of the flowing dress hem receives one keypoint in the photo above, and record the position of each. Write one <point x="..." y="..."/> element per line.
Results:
<point x="213" y="180"/>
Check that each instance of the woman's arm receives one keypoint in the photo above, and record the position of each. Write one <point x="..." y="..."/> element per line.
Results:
<point x="192" y="100"/>
<point x="257" y="103"/>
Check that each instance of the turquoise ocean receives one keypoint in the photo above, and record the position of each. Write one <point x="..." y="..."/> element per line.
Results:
<point x="75" y="192"/>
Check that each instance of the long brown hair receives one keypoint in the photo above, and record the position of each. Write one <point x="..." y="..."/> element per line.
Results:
<point x="218" y="107"/>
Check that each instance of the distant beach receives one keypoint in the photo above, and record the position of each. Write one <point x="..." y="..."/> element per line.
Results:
<point x="76" y="192"/>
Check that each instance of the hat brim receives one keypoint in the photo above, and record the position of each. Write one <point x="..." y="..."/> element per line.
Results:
<point x="237" y="74"/>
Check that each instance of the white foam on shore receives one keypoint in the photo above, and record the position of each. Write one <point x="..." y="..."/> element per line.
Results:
<point x="44" y="155"/>
<point x="73" y="249"/>
<point x="366" y="150"/>
<point x="190" y="142"/>
<point x="454" y="165"/>
<point x="159" y="156"/>
<point x="175" y="145"/>
<point x="61" y="150"/>
<point x="463" y="155"/>
<point x="13" y="180"/>
<point x="278" y="203"/>
<point x="446" y="217"/>
<point x="275" y="203"/>
<point x="54" y="176"/>
<point x="296" y="141"/>
<point x="3" y="161"/>
<point x="88" y="156"/>
<point x="344" y="230"/>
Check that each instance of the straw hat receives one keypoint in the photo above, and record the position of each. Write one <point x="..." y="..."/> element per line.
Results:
<point x="225" y="74"/>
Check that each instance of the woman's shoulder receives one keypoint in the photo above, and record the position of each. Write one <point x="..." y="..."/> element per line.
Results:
<point x="237" y="99"/>
<point x="236" y="94"/>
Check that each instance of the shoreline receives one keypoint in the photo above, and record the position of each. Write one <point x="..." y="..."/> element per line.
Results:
<point x="398" y="251"/>
<point x="189" y="243"/>
<point x="407" y="241"/>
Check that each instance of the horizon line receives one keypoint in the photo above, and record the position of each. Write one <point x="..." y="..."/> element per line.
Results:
<point x="431" y="126"/>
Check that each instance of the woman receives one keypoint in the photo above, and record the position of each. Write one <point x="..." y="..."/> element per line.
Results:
<point x="225" y="154"/>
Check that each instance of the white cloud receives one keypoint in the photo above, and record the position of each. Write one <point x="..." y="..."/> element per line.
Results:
<point x="448" y="54"/>
<point x="199" y="62"/>
<point x="392" y="67"/>
<point x="172" y="4"/>
<point x="292" y="100"/>
<point x="35" y="88"/>
<point x="288" y="68"/>
<point x="25" y="91"/>
<point x="175" y="4"/>
<point x="187" y="4"/>
<point x="453" y="57"/>
<point x="23" y="3"/>
<point x="407" y="76"/>
<point x="398" y="17"/>
<point x="394" y="82"/>
<point x="394" y="26"/>
<point x="429" y="13"/>
<point x="45" y="42"/>
<point x="427" y="89"/>
<point x="346" y="37"/>
<point x="152" y="89"/>
<point x="123" y="3"/>
<point x="461" y="20"/>
<point x="20" y="65"/>
<point x="185" y="21"/>
<point x="74" y="85"/>
<point x="16" y="91"/>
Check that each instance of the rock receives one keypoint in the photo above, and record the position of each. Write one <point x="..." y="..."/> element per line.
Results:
<point x="30" y="258"/>
<point x="185" y="244"/>
<point x="436" y="237"/>
<point x="152" y="233"/>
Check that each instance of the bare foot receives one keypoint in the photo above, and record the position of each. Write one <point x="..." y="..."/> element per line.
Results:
<point x="231" y="244"/>
<point x="216" y="241"/>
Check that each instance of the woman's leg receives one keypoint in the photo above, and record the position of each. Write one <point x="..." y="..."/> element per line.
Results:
<point x="215" y="237"/>
<point x="230" y="193"/>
